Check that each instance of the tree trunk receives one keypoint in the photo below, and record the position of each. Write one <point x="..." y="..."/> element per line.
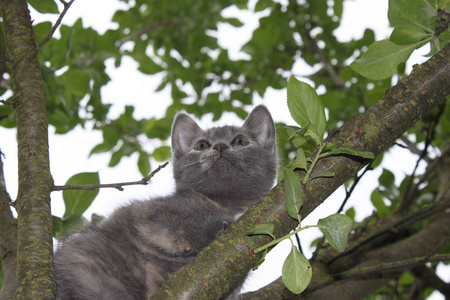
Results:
<point x="35" y="249"/>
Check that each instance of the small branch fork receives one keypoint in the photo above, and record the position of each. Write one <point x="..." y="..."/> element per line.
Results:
<point x="58" y="22"/>
<point x="119" y="186"/>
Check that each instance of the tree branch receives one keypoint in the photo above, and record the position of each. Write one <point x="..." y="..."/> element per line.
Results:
<point x="34" y="242"/>
<point x="231" y="255"/>
<point x="119" y="186"/>
<point x="58" y="22"/>
<point x="403" y="223"/>
<point x="381" y="269"/>
<point x="431" y="279"/>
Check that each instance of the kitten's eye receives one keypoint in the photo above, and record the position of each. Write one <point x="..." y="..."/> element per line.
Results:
<point x="240" y="141"/>
<point x="202" y="145"/>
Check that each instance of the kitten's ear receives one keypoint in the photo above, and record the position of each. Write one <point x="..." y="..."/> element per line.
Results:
<point x="185" y="132"/>
<point x="260" y="124"/>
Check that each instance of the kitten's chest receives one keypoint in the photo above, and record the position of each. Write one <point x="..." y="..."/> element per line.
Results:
<point x="157" y="274"/>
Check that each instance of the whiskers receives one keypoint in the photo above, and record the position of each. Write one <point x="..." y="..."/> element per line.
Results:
<point x="188" y="164"/>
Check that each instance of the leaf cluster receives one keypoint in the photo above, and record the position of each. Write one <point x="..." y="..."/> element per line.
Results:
<point x="415" y="23"/>
<point x="307" y="110"/>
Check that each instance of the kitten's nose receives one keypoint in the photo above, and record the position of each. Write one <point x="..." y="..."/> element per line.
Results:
<point x="220" y="146"/>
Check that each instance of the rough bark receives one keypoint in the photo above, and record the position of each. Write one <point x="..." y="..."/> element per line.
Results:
<point x="35" y="250"/>
<point x="223" y="264"/>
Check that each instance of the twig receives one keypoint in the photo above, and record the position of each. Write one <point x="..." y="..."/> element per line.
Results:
<point x="413" y="147"/>
<point x="147" y="29"/>
<point x="329" y="68"/>
<point x="119" y="186"/>
<point x="348" y="193"/>
<point x="408" y="195"/>
<point x="6" y="102"/>
<point x="58" y="22"/>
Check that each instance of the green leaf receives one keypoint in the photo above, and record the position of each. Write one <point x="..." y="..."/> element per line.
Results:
<point x="294" y="196"/>
<point x="63" y="227"/>
<point x="332" y="150"/>
<point x="44" y="6"/>
<point x="382" y="58"/>
<point x="305" y="106"/>
<point x="407" y="12"/>
<point x="324" y="175"/>
<point x="233" y="21"/>
<point x="296" y="272"/>
<point x="387" y="185"/>
<point x="336" y="229"/>
<point x="260" y="261"/>
<point x="162" y="153"/>
<point x="351" y="213"/>
<point x="263" y="4"/>
<point x="266" y="229"/>
<point x="41" y="30"/>
<point x="148" y="66"/>
<point x="144" y="163"/>
<point x="377" y="200"/>
<point x="300" y="161"/>
<point x="57" y="226"/>
<point x="117" y="156"/>
<point x="77" y="201"/>
<point x="307" y="144"/>
<point x="406" y="35"/>
<point x="76" y="83"/>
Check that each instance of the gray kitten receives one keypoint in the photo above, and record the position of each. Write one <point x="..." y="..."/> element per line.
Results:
<point x="219" y="173"/>
<point x="234" y="166"/>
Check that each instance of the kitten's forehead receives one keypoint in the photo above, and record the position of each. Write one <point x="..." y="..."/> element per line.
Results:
<point x="223" y="133"/>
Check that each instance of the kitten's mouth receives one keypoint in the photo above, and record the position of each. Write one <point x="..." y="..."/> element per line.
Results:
<point x="220" y="159"/>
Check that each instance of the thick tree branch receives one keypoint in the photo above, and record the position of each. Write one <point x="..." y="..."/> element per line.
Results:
<point x="221" y="265"/>
<point x="119" y="185"/>
<point x="35" y="249"/>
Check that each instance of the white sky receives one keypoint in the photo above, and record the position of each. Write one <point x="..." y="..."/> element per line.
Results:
<point x="69" y="153"/>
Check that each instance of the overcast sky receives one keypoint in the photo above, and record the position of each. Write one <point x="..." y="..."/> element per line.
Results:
<point x="69" y="153"/>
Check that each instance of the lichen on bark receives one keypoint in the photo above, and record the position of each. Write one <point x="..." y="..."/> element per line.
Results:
<point x="35" y="249"/>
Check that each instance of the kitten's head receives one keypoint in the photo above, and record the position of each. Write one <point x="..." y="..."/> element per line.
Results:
<point x="234" y="166"/>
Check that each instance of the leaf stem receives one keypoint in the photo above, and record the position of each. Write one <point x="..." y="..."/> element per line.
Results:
<point x="313" y="164"/>
<point x="287" y="236"/>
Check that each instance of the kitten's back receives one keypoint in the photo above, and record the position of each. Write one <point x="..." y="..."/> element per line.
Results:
<point x="134" y="251"/>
